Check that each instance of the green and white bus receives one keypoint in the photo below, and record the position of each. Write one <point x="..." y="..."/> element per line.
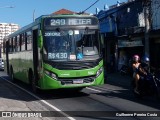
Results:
<point x="56" y="51"/>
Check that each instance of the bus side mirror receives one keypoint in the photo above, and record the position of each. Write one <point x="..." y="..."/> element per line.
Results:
<point x="40" y="39"/>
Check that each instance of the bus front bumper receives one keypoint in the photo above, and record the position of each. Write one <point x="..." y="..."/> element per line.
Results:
<point x="49" y="83"/>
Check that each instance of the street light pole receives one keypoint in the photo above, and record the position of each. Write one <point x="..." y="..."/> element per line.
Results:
<point x="34" y="15"/>
<point x="7" y="6"/>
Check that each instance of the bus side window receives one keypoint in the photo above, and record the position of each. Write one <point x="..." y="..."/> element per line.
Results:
<point x="22" y="42"/>
<point x="10" y="45"/>
<point x="14" y="44"/>
<point x="4" y="46"/>
<point x="18" y="43"/>
<point x="25" y="38"/>
<point x="29" y="40"/>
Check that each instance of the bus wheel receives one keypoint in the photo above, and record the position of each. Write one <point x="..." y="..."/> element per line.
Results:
<point x="11" y="75"/>
<point x="33" y="83"/>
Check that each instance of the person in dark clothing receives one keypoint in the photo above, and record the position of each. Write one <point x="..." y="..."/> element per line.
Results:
<point x="142" y="71"/>
<point x="144" y="68"/>
<point x="135" y="67"/>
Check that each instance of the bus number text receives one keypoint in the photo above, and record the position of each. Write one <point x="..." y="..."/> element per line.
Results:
<point x="58" y="22"/>
<point x="57" y="55"/>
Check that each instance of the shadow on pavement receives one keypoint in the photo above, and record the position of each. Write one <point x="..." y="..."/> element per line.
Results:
<point x="125" y="91"/>
<point x="12" y="92"/>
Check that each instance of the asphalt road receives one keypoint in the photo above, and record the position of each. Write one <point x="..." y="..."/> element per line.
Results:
<point x="91" y="103"/>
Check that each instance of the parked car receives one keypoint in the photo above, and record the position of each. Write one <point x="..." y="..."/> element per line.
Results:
<point x="1" y="64"/>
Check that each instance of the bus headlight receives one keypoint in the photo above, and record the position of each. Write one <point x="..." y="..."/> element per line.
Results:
<point x="52" y="75"/>
<point x="99" y="71"/>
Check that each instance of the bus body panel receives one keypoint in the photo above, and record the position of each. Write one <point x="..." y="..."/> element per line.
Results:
<point x="21" y="62"/>
<point x="50" y="83"/>
<point x="47" y="82"/>
<point x="73" y="73"/>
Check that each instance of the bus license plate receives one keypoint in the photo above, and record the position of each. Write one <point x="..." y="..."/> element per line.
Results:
<point x="79" y="81"/>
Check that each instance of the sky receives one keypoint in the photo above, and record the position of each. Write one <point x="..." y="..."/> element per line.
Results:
<point x="22" y="13"/>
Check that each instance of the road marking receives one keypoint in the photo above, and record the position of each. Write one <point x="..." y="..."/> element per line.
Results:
<point x="93" y="89"/>
<point x="45" y="102"/>
<point x="103" y="89"/>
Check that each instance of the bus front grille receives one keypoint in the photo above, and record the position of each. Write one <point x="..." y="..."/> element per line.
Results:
<point x="71" y="81"/>
<point x="74" y="65"/>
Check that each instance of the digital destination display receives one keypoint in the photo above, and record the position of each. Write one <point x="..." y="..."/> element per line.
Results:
<point x="69" y="21"/>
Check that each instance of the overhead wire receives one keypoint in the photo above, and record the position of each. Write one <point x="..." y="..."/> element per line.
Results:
<point x="89" y="7"/>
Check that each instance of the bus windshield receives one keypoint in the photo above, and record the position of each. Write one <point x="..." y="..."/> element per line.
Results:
<point x="71" y="44"/>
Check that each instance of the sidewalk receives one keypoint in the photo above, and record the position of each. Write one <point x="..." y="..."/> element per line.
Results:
<point x="13" y="99"/>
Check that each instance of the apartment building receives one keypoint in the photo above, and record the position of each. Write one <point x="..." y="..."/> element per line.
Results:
<point x="5" y="30"/>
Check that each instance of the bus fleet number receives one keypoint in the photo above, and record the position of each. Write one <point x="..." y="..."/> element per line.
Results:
<point x="57" y="55"/>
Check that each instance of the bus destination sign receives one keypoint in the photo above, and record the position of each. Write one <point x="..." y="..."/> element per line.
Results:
<point x="69" y="21"/>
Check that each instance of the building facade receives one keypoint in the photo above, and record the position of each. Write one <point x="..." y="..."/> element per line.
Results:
<point x="122" y="27"/>
<point x="155" y="34"/>
<point x="5" y="30"/>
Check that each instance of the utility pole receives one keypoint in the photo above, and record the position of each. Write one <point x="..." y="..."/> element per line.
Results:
<point x="147" y="6"/>
<point x="7" y="6"/>
<point x="34" y="15"/>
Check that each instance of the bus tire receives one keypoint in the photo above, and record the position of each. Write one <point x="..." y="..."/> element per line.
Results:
<point x="33" y="82"/>
<point x="11" y="75"/>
